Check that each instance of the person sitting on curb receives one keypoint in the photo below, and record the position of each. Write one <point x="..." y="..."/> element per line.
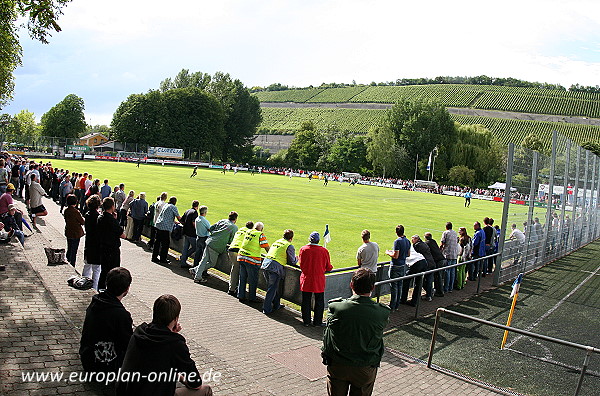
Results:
<point x="158" y="347"/>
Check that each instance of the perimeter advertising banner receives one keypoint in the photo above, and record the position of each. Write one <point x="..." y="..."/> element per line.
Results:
<point x="163" y="152"/>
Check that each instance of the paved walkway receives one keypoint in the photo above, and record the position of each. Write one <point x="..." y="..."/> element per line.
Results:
<point x="41" y="318"/>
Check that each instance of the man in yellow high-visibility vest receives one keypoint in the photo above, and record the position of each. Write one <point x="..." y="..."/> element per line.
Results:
<point x="250" y="260"/>
<point x="281" y="253"/>
<point x="234" y="248"/>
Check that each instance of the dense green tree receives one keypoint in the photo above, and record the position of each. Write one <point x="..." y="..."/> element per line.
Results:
<point x="461" y="175"/>
<point x="103" y="129"/>
<point x="348" y="154"/>
<point x="533" y="142"/>
<point x="182" y="117"/>
<point x="593" y="147"/>
<point x="411" y="129"/>
<point x="476" y="148"/>
<point x="22" y="128"/>
<point x="41" y="17"/>
<point x="241" y="109"/>
<point x="306" y="149"/>
<point x="65" y="119"/>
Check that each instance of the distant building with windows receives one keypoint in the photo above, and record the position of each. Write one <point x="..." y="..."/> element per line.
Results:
<point x="93" y="139"/>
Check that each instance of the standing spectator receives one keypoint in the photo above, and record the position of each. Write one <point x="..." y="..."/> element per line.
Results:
<point x="157" y="347"/>
<point x="368" y="252"/>
<point x="161" y="201"/>
<point x="423" y="248"/>
<point x="314" y="263"/>
<point x="440" y="262"/>
<point x="107" y="327"/>
<point x="120" y="197"/>
<point x="65" y="188"/>
<point x="416" y="263"/>
<point x="202" y="233"/>
<point x="4" y="179"/>
<point x="128" y="219"/>
<point x="519" y="238"/>
<point x="250" y="260"/>
<point x="282" y="252"/>
<point x="478" y="251"/>
<point x="234" y="248"/>
<point x="14" y="175"/>
<point x="164" y="226"/>
<point x="188" y="220"/>
<point x="488" y="263"/>
<point x="137" y="211"/>
<point x="73" y="228"/>
<point x="353" y="340"/>
<point x="398" y="254"/>
<point x="466" y="249"/>
<point x="221" y="235"/>
<point x="36" y="192"/>
<point x="105" y="189"/>
<point x="450" y="248"/>
<point x="110" y="233"/>
<point x="91" y="250"/>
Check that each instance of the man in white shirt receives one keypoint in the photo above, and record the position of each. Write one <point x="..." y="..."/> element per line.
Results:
<point x="520" y="237"/>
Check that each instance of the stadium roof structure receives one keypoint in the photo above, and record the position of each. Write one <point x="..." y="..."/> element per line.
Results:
<point x="112" y="145"/>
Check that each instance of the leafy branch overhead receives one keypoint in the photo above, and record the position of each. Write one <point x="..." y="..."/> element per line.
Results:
<point x="41" y="16"/>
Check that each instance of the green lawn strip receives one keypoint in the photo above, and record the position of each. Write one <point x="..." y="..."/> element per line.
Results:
<point x="473" y="349"/>
<point x="281" y="203"/>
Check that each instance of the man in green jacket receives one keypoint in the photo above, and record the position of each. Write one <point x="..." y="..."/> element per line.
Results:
<point x="353" y="340"/>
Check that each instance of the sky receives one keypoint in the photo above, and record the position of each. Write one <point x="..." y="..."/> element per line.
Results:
<point x="109" y="49"/>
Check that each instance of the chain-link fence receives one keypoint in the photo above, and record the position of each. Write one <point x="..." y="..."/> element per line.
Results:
<point x="553" y="206"/>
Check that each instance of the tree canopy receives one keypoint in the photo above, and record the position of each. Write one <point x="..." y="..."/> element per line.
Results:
<point x="241" y="110"/>
<point x="65" y="119"/>
<point x="41" y="17"/>
<point x="180" y="117"/>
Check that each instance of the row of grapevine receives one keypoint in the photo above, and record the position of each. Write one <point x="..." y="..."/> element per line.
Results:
<point x="336" y="95"/>
<point x="360" y="121"/>
<point x="538" y="104"/>
<point x="290" y="95"/>
<point x="517" y="99"/>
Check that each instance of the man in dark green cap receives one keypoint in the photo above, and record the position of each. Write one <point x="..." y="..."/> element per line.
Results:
<point x="353" y="339"/>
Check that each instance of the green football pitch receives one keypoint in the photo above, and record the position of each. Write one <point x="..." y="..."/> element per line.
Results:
<point x="281" y="203"/>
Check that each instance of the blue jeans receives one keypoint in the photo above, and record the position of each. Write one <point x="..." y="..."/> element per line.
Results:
<point x="272" y="297"/>
<point x="450" y="276"/>
<point x="396" y="271"/>
<point x="248" y="274"/>
<point x="189" y="247"/>
<point x="20" y="236"/>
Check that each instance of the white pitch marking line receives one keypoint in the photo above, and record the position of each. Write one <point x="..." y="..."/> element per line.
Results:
<point x="554" y="308"/>
<point x="590" y="272"/>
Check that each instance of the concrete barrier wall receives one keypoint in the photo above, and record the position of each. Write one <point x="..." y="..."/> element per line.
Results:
<point x="336" y="285"/>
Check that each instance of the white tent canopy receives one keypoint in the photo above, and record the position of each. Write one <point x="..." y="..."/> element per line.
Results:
<point x="500" y="186"/>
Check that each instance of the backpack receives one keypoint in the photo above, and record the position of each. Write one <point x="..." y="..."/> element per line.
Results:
<point x="149" y="215"/>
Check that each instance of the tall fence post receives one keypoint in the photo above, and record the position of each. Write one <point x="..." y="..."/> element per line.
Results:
<point x="564" y="200"/>
<point x="571" y="242"/>
<point x="548" y="224"/>
<point x="597" y="205"/>
<point x="505" y="208"/>
<point x="581" y="218"/>
<point x="590" y="216"/>
<point x="530" y="212"/>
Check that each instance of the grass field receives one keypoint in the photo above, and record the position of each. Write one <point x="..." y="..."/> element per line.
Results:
<point x="561" y="300"/>
<point x="280" y="203"/>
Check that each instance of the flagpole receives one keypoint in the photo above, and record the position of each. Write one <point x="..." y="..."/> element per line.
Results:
<point x="510" y="316"/>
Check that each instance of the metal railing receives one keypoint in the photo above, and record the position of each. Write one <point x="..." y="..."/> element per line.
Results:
<point x="432" y="271"/>
<point x="588" y="349"/>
